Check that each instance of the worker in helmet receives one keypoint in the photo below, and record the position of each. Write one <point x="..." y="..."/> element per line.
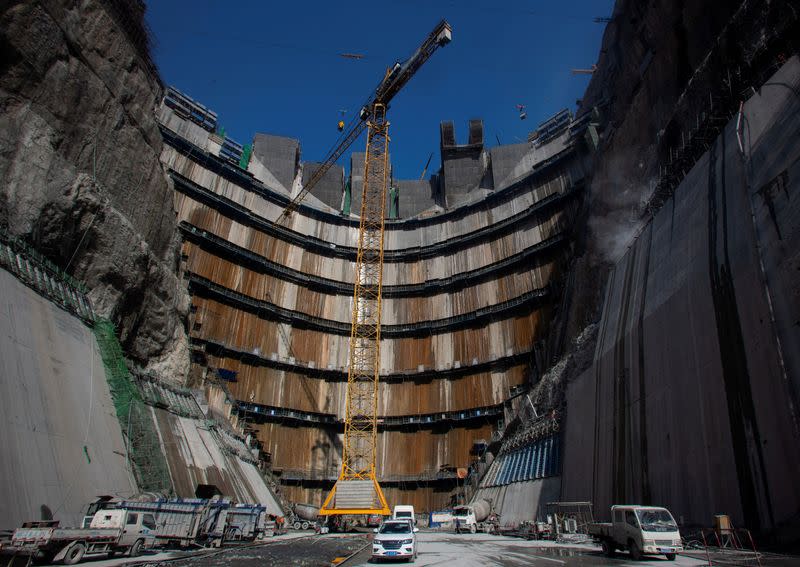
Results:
<point x="341" y="125"/>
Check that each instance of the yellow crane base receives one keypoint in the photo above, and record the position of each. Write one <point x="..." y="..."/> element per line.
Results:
<point x="354" y="497"/>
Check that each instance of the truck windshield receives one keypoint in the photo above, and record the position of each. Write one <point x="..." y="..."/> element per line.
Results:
<point x="656" y="520"/>
<point x="395" y="528"/>
<point x="461" y="512"/>
<point x="403" y="514"/>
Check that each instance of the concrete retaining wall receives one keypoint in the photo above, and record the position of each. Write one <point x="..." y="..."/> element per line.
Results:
<point x="520" y="501"/>
<point x="60" y="440"/>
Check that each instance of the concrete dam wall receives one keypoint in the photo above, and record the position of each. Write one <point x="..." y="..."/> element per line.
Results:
<point x="692" y="399"/>
<point x="468" y="292"/>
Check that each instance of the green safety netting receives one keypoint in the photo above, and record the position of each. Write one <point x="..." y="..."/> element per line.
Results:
<point x="145" y="454"/>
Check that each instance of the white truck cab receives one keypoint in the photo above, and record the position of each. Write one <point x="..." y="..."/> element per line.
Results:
<point x="134" y="525"/>
<point x="464" y="519"/>
<point x="476" y="517"/>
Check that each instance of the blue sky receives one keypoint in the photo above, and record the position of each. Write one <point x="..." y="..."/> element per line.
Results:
<point x="275" y="67"/>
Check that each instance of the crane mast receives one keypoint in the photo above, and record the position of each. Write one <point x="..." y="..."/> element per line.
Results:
<point x="357" y="490"/>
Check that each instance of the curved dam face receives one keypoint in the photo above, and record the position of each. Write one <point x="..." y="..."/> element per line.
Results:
<point x="472" y="266"/>
<point x="62" y="443"/>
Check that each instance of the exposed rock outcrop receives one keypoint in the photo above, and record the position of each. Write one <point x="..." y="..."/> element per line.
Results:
<point x="80" y="176"/>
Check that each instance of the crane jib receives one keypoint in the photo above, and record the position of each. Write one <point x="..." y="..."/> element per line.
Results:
<point x="397" y="78"/>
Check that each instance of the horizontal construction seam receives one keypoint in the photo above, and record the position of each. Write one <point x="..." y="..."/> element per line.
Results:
<point x="340" y="374"/>
<point x="520" y="305"/>
<point x="245" y="216"/>
<point x="241" y="256"/>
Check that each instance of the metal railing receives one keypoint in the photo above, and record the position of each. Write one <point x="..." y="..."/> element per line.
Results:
<point x="179" y="401"/>
<point x="428" y="476"/>
<point x="256" y="411"/>
<point x="44" y="277"/>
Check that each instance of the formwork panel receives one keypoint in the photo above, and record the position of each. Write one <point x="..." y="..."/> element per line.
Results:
<point x="313" y="452"/>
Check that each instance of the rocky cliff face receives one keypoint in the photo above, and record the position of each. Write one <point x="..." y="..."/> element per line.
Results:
<point x="80" y="177"/>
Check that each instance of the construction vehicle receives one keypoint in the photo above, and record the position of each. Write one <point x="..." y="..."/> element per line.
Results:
<point x="404" y="512"/>
<point x="395" y="539"/>
<point x="356" y="491"/>
<point x="639" y="530"/>
<point x="209" y="522"/>
<point x="305" y="516"/>
<point x="109" y="532"/>
<point x="476" y="517"/>
<point x="193" y="521"/>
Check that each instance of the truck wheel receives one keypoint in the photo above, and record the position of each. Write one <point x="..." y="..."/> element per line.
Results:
<point x="75" y="554"/>
<point x="608" y="548"/>
<point x="136" y="548"/>
<point x="296" y="525"/>
<point x="671" y="557"/>
<point x="473" y="529"/>
<point x="304" y="526"/>
<point x="636" y="553"/>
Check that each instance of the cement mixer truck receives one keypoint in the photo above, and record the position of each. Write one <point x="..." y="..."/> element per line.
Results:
<point x="305" y="516"/>
<point x="477" y="516"/>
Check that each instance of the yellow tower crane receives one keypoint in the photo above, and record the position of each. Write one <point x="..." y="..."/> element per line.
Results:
<point x="357" y="490"/>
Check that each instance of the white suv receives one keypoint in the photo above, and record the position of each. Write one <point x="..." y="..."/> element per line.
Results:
<point x="395" y="539"/>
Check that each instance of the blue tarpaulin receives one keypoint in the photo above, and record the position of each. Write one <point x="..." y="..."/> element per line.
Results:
<point x="229" y="375"/>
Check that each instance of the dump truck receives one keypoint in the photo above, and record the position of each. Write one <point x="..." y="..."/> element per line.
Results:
<point x="477" y="516"/>
<point x="640" y="530"/>
<point x="109" y="532"/>
<point x="184" y="522"/>
<point x="246" y="522"/>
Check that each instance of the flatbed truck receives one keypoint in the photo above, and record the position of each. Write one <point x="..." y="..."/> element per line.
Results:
<point x="639" y="530"/>
<point x="109" y="532"/>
